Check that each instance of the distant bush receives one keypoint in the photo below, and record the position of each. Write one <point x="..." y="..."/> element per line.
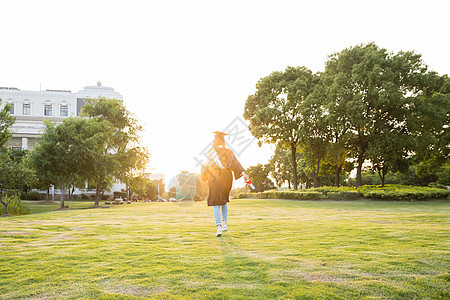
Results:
<point x="374" y="192"/>
<point x="248" y="196"/>
<point x="15" y="207"/>
<point x="33" y="195"/>
<point x="74" y="197"/>
<point x="438" y="186"/>
<point x="402" y="192"/>
<point x="120" y="194"/>
<point x="105" y="197"/>
<point x="338" y="193"/>
<point x="272" y="194"/>
<point x="84" y="196"/>
<point x="296" y="195"/>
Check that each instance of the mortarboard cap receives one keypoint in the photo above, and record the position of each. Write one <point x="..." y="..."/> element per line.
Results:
<point x="219" y="139"/>
<point x="220" y="134"/>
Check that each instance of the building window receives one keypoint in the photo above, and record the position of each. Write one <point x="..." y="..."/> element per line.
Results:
<point x="27" y="109"/>
<point x="64" y="111"/>
<point x="11" y="111"/>
<point x="47" y="110"/>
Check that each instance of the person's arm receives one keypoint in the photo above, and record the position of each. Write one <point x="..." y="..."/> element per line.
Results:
<point x="236" y="167"/>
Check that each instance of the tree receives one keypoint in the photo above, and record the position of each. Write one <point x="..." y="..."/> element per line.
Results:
<point x="259" y="175"/>
<point x="6" y="121"/>
<point x="273" y="111"/>
<point x="14" y="175"/>
<point x="139" y="185"/>
<point x="314" y="151"/>
<point x="68" y="150"/>
<point x="389" y="153"/>
<point x="152" y="190"/>
<point x="429" y="126"/>
<point x="366" y="86"/>
<point x="172" y="192"/>
<point x="280" y="167"/>
<point x="121" y="157"/>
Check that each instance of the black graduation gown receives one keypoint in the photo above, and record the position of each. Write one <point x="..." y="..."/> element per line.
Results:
<point x="220" y="180"/>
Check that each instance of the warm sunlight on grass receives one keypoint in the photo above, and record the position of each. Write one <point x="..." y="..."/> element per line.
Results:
<point x="274" y="249"/>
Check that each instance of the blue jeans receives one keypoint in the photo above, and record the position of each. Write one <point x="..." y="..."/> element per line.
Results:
<point x="217" y="213"/>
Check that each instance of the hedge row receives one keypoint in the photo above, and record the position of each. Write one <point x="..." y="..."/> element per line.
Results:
<point x="295" y="195"/>
<point x="398" y="192"/>
<point x="388" y="192"/>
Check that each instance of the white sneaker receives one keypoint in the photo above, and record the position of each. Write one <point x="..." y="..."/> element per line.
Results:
<point x="219" y="231"/>
<point x="225" y="227"/>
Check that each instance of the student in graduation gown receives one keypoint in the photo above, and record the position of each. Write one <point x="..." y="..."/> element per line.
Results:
<point x="219" y="171"/>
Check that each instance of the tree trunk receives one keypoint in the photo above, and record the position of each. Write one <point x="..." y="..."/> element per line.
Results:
<point x="359" y="169"/>
<point x="97" y="193"/>
<point x="337" y="174"/>
<point x="294" y="164"/>
<point x="62" y="193"/>
<point x="6" y="207"/>
<point x="48" y="193"/>
<point x="382" y="175"/>
<point x="316" y="174"/>
<point x="289" y="184"/>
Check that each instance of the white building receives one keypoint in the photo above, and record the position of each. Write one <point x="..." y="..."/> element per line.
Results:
<point x="32" y="108"/>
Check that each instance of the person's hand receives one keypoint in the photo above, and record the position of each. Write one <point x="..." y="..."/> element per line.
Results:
<point x="245" y="176"/>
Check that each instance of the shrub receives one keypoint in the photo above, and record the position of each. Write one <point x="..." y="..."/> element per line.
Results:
<point x="273" y="194"/>
<point x="247" y="196"/>
<point x="120" y="194"/>
<point x="399" y="192"/>
<point x="338" y="193"/>
<point x="15" y="207"/>
<point x="375" y="192"/>
<point x="438" y="186"/>
<point x="84" y="196"/>
<point x="33" y="195"/>
<point x="295" y="195"/>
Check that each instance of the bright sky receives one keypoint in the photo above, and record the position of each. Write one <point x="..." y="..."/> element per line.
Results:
<point x="185" y="68"/>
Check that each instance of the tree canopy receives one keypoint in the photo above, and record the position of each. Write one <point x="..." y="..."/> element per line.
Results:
<point x="368" y="106"/>
<point x="120" y="156"/>
<point x="6" y="121"/>
<point x="274" y="110"/>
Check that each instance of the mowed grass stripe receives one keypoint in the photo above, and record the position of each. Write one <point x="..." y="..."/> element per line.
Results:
<point x="274" y="249"/>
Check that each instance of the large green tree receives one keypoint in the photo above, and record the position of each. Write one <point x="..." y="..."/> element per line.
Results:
<point x="274" y="109"/>
<point x="314" y="142"/>
<point x="121" y="157"/>
<point x="429" y="125"/>
<point x="367" y="88"/>
<point x="68" y="150"/>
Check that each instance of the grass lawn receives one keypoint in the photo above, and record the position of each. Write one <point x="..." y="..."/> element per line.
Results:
<point x="274" y="249"/>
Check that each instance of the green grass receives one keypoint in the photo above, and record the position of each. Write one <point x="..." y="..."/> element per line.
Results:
<point x="275" y="249"/>
<point x="35" y="207"/>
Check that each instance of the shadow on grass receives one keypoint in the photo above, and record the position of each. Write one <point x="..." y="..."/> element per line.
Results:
<point x="240" y="266"/>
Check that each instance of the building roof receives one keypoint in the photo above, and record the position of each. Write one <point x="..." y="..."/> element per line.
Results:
<point x="95" y="91"/>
